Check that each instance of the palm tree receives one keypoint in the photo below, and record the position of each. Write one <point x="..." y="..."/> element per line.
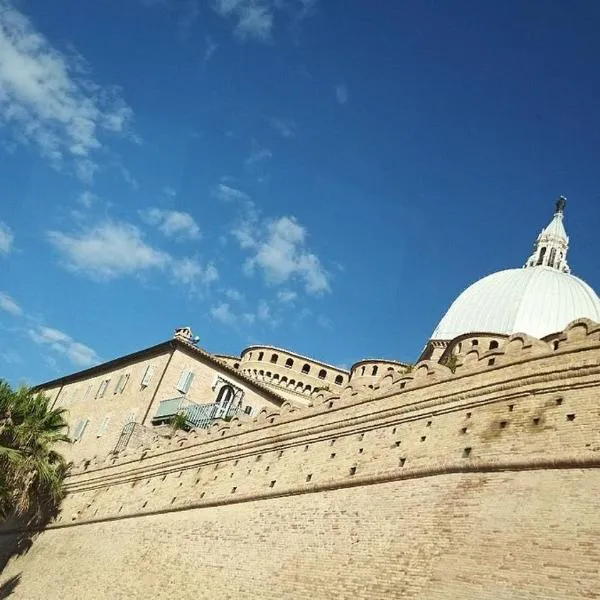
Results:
<point x="32" y="472"/>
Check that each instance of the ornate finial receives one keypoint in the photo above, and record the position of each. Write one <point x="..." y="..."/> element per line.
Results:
<point x="560" y="204"/>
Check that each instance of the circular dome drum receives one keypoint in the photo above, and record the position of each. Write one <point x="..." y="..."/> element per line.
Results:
<point x="537" y="301"/>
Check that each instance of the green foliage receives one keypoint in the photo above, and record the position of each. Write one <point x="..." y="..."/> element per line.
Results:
<point x="179" y="421"/>
<point x="32" y="472"/>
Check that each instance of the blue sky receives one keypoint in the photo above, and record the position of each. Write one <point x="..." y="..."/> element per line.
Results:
<point x="322" y="175"/>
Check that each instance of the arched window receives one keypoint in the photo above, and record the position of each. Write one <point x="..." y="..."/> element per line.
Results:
<point x="274" y="358"/>
<point x="284" y="380"/>
<point x="292" y="383"/>
<point x="268" y="373"/>
<point x="260" y="355"/>
<point x="362" y="370"/>
<point x="339" y="380"/>
<point x="374" y="371"/>
<point x="552" y="257"/>
<point x="322" y="374"/>
<point x="306" y="369"/>
<point x="261" y="372"/>
<point x="475" y="343"/>
<point x="276" y="376"/>
<point x="542" y="254"/>
<point x="236" y="366"/>
<point x="225" y="395"/>
<point x="250" y="356"/>
<point x="289" y="363"/>
<point x="299" y="385"/>
<point x="493" y="345"/>
<point x="307" y="389"/>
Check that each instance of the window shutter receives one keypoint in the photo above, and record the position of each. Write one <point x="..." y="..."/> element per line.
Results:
<point x="85" y="423"/>
<point x="124" y="383"/>
<point x="188" y="382"/>
<point x="77" y="430"/>
<point x="118" y="386"/>
<point x="103" y="387"/>
<point x="147" y="378"/>
<point x="182" y="382"/>
<point x="103" y="426"/>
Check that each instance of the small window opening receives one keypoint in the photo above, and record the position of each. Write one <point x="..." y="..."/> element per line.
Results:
<point x="309" y="477"/>
<point x="274" y="358"/>
<point x="306" y="448"/>
<point x="428" y="424"/>
<point x="468" y="415"/>
<point x="202" y="494"/>
<point x="491" y="362"/>
<point x="464" y="430"/>
<point x="571" y="417"/>
<point x="374" y="371"/>
<point x="339" y="380"/>
<point x="536" y="420"/>
<point x="360" y="450"/>
<point x="402" y="462"/>
<point x="322" y="374"/>
<point x="511" y="407"/>
<point x="503" y="424"/>
<point x="272" y="484"/>
<point x="397" y="443"/>
<point x="332" y="442"/>
<point x="475" y="343"/>
<point x="330" y="405"/>
<point x="361" y="437"/>
<point x="306" y="369"/>
<point x="352" y="470"/>
<point x="289" y="363"/>
<point x="280" y="454"/>
<point x="423" y="438"/>
<point x="332" y="455"/>
<point x="493" y="345"/>
<point x="233" y="489"/>
<point x="394" y="430"/>
<point x="555" y="344"/>
<point x="261" y="355"/>
<point x="466" y="452"/>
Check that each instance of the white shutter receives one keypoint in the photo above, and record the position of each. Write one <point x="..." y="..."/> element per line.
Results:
<point x="118" y="386"/>
<point x="182" y="380"/>
<point x="185" y="381"/>
<point x="147" y="378"/>
<point x="87" y="392"/>
<point x="102" y="388"/>
<point x="103" y="426"/>
<point x="79" y="429"/>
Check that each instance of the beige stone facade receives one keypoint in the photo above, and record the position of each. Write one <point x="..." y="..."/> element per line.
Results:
<point x="475" y="479"/>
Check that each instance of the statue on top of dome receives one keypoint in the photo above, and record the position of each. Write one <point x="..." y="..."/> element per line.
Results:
<point x="560" y="204"/>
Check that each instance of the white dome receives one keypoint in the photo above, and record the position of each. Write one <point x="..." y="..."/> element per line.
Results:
<point x="537" y="301"/>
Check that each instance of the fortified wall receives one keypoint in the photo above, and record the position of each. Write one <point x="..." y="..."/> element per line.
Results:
<point x="479" y="482"/>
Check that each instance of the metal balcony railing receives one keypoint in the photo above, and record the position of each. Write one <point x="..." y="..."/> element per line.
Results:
<point x="197" y="415"/>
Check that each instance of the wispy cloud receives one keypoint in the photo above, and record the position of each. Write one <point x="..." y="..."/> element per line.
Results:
<point x="341" y="93"/>
<point x="284" y="127"/>
<point x="233" y="295"/>
<point x="113" y="249"/>
<point x="107" y="250"/>
<point x="258" y="154"/>
<point x="287" y="296"/>
<point x="173" y="223"/>
<point x="210" y="49"/>
<point x="6" y="238"/>
<point x="58" y="341"/>
<point x="87" y="198"/>
<point x="8" y="305"/>
<point x="48" y="99"/>
<point x="279" y="253"/>
<point x="223" y="314"/>
<point x="226" y="193"/>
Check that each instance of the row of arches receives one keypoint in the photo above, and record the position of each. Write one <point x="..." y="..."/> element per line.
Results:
<point x="284" y="381"/>
<point x="289" y="364"/>
<point x="493" y="345"/>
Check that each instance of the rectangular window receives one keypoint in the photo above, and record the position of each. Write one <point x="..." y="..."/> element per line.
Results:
<point x="87" y="392"/>
<point x="148" y="374"/>
<point x="248" y="410"/>
<point x="102" y="388"/>
<point x="185" y="381"/>
<point x="103" y="425"/>
<point x="79" y="429"/>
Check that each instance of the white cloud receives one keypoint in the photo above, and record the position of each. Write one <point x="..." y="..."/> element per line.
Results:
<point x="254" y="18"/>
<point x="341" y="93"/>
<point x="285" y="128"/>
<point x="87" y="199"/>
<point x="234" y="295"/>
<point x="281" y="256"/>
<point x="223" y="314"/>
<point x="286" y="296"/>
<point x="58" y="341"/>
<point x="9" y="305"/>
<point x="191" y="273"/>
<point x="173" y="223"/>
<point x="6" y="238"/>
<point x="211" y="48"/>
<point x="107" y="250"/>
<point x="264" y="311"/>
<point x="226" y="193"/>
<point x="258" y="154"/>
<point x="48" y="100"/>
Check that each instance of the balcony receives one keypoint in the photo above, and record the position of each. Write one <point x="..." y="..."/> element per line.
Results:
<point x="197" y="415"/>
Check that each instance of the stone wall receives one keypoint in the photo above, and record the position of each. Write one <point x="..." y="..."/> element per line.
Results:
<point x="481" y="483"/>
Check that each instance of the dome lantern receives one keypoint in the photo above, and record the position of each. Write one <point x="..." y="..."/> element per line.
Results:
<point x="551" y="246"/>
